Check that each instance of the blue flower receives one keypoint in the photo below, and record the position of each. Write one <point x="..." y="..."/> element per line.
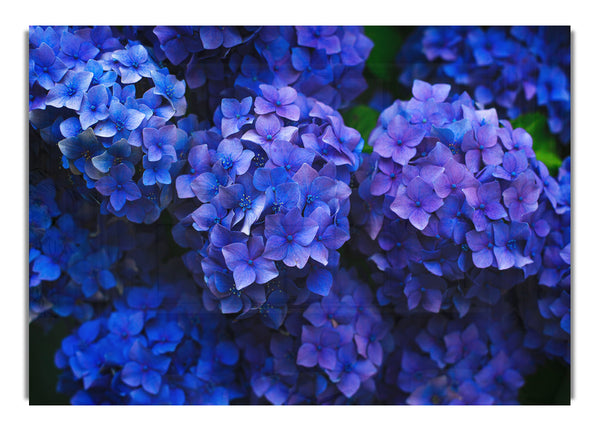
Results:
<point x="248" y="264"/>
<point x="288" y="237"/>
<point x="118" y="186"/>
<point x="145" y="369"/>
<point x="120" y="121"/>
<point x="69" y="92"/>
<point x="417" y="204"/>
<point x="236" y="114"/>
<point x="319" y="37"/>
<point x="234" y="158"/>
<point x="75" y="51"/>
<point x="134" y="64"/>
<point x="48" y="69"/>
<point x="156" y="172"/>
<point x="349" y="371"/>
<point x="160" y="143"/>
<point x="278" y="101"/>
<point x="171" y="89"/>
<point x="319" y="346"/>
<point x="94" y="106"/>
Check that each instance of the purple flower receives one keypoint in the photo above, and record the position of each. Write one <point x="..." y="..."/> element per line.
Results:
<point x="213" y="37"/>
<point x="268" y="128"/>
<point x="329" y="237"/>
<point x="289" y="156"/>
<point x="417" y="203"/>
<point x="160" y="142"/>
<point x="416" y="370"/>
<point x="199" y="159"/>
<point x="208" y="215"/>
<point x="119" y="186"/>
<point x="510" y="241"/>
<point x="521" y="197"/>
<point x="423" y="91"/>
<point x="465" y="344"/>
<point x="48" y="68"/>
<point x="236" y="114"/>
<point x="288" y="237"/>
<point x="75" y="51"/>
<point x="164" y="335"/>
<point x="246" y="202"/>
<point x="387" y="179"/>
<point x="482" y="144"/>
<point x="178" y="42"/>
<point x="117" y="153"/>
<point x="400" y="243"/>
<point x="369" y="333"/>
<point x="499" y="372"/>
<point x="233" y="157"/>
<point x="318" y="190"/>
<point x="318" y="347"/>
<point x="319" y="37"/>
<point x="82" y="149"/>
<point x="277" y="101"/>
<point x="513" y="164"/>
<point x="248" y="264"/>
<point x="400" y="140"/>
<point x="425" y="289"/>
<point x="485" y="201"/>
<point x="207" y="185"/>
<point x="145" y="369"/>
<point x="453" y="180"/>
<point x="482" y="244"/>
<point x="349" y="372"/>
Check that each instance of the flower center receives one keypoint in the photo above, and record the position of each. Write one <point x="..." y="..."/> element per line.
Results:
<point x="245" y="202"/>
<point x="227" y="163"/>
<point x="512" y="244"/>
<point x="289" y="238"/>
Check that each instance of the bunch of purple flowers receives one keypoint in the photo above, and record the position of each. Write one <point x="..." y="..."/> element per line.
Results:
<point x="515" y="69"/>
<point x="456" y="208"/>
<point x="268" y="189"/>
<point x="200" y="208"/>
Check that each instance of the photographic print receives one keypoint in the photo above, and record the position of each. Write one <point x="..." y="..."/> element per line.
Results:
<point x="299" y="215"/>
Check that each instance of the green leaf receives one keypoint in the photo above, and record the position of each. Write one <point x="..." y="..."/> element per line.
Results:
<point x="544" y="143"/>
<point x="364" y="119"/>
<point x="388" y="41"/>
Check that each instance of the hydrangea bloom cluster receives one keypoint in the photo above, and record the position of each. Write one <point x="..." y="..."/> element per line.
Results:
<point x="516" y="69"/>
<point x="458" y="216"/>
<point x="209" y="223"/>
<point x="266" y="200"/>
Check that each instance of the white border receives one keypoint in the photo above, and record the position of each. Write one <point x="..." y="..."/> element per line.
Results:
<point x="17" y="16"/>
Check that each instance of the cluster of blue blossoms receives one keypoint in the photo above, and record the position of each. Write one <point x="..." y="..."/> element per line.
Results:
<point x="200" y="209"/>
<point x="515" y="69"/>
